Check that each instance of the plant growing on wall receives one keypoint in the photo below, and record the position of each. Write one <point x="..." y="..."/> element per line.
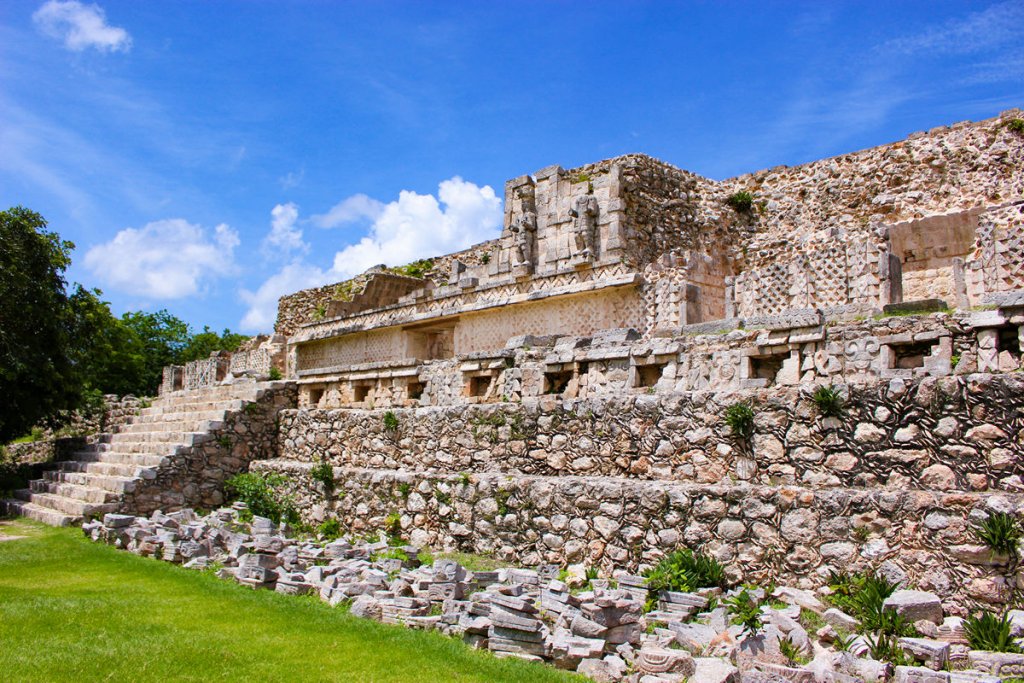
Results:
<point x="742" y="201"/>
<point x="1016" y="125"/>
<point x="274" y="374"/>
<point x="985" y="631"/>
<point x="740" y="418"/>
<point x="323" y="473"/>
<point x="390" y="421"/>
<point x="329" y="529"/>
<point x="1001" y="533"/>
<point x="829" y="401"/>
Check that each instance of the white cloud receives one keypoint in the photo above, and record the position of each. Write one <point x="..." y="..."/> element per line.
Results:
<point x="284" y="237"/>
<point x="417" y="225"/>
<point x="292" y="179"/>
<point x="262" y="303"/>
<point x="168" y="259"/>
<point x="80" y="26"/>
<point x="349" y="210"/>
<point x="413" y="226"/>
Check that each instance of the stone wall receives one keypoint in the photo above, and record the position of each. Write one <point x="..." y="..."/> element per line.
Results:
<point x="936" y="434"/>
<point x="194" y="475"/>
<point x="793" y="534"/>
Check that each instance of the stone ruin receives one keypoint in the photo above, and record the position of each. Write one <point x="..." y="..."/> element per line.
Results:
<point x="557" y="396"/>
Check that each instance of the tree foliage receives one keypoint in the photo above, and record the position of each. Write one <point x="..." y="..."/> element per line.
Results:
<point x="60" y="349"/>
<point x="37" y="377"/>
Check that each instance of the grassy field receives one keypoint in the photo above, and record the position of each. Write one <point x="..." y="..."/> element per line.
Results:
<point x="73" y="610"/>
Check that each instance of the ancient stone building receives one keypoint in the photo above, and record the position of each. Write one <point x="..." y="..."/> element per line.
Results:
<point x="560" y="394"/>
<point x="635" y="244"/>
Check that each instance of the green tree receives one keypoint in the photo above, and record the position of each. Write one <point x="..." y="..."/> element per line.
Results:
<point x="37" y="376"/>
<point x="202" y="344"/>
<point x="161" y="339"/>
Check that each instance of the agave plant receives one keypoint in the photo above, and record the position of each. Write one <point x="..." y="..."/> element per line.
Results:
<point x="1001" y="533"/>
<point x="987" y="632"/>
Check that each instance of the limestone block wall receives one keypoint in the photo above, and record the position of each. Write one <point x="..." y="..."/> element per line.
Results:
<point x="954" y="433"/>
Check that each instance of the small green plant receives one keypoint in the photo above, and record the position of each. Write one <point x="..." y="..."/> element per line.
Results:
<point x="684" y="570"/>
<point x="323" y="473"/>
<point x="988" y="632"/>
<point x="829" y="401"/>
<point x="320" y="312"/>
<point x="1001" y="533"/>
<point x="404" y="489"/>
<point x="886" y="648"/>
<point x="35" y="435"/>
<point x="745" y="611"/>
<point x="262" y="494"/>
<point x="329" y="529"/>
<point x="791" y="652"/>
<point x="740" y="418"/>
<point x="861" y="533"/>
<point x="741" y="201"/>
<point x="251" y="408"/>
<point x="393" y="524"/>
<point x="811" y="620"/>
<point x="442" y="497"/>
<point x="464" y="478"/>
<point x="274" y="374"/>
<point x="501" y="497"/>
<point x="417" y="269"/>
<point x="390" y="421"/>
<point x="224" y="441"/>
<point x="1016" y="126"/>
<point x="842" y="642"/>
<point x="954" y="360"/>
<point x="391" y="554"/>
<point x="485" y="258"/>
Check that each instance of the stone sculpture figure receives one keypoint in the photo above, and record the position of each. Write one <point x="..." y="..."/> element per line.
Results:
<point x="525" y="232"/>
<point x="584" y="215"/>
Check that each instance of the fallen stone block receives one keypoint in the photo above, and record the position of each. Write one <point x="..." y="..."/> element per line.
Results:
<point x="935" y="653"/>
<point x="660" y="660"/>
<point x="714" y="670"/>
<point x="915" y="605"/>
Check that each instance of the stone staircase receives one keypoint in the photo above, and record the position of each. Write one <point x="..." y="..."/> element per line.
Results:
<point x="97" y="479"/>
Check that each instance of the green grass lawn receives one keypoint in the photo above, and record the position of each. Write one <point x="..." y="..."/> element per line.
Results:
<point x="74" y="610"/>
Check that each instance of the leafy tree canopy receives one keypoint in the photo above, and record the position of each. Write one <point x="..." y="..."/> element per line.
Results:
<point x="61" y="350"/>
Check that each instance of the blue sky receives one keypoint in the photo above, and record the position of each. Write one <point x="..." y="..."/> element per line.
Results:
<point x="207" y="157"/>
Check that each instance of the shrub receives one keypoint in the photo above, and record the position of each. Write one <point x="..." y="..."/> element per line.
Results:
<point x="829" y="401"/>
<point x="417" y="269"/>
<point x="274" y="374"/>
<point x="329" y="529"/>
<point x="862" y="596"/>
<point x="485" y="258"/>
<point x="685" y="570"/>
<point x="886" y="648"/>
<point x="987" y="632"/>
<point x="1016" y="125"/>
<point x="260" y="492"/>
<point x="740" y="418"/>
<point x="742" y="201"/>
<point x="323" y="473"/>
<point x="393" y="524"/>
<point x="745" y="611"/>
<point x="791" y="652"/>
<point x="390" y="421"/>
<point x="1001" y="533"/>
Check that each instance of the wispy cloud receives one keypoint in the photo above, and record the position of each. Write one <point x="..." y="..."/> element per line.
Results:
<point x="81" y="27"/>
<point x="349" y="210"/>
<point x="292" y="179"/>
<point x="993" y="26"/>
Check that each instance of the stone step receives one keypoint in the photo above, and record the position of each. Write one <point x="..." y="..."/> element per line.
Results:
<point x="159" y="437"/>
<point x="39" y="513"/>
<point x="176" y="412"/>
<point x="122" y="457"/>
<point x="170" y="419"/>
<point x="86" y="494"/>
<point x="67" y="506"/>
<point x="204" y="422"/>
<point x="200" y="398"/>
<point x="102" y="469"/>
<point x="115" y="484"/>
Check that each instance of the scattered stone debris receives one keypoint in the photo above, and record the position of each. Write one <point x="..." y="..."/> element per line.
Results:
<point x="606" y="629"/>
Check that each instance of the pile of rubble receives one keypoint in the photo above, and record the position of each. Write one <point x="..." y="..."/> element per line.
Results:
<point x="594" y="628"/>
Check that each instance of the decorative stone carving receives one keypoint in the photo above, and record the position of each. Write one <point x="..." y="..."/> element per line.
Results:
<point x="524" y="231"/>
<point x="584" y="213"/>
